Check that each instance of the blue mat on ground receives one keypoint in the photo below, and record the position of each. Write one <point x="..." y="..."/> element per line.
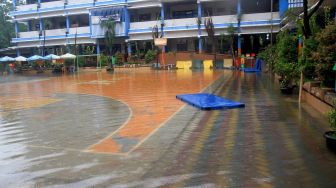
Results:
<point x="205" y="101"/>
<point x="257" y="67"/>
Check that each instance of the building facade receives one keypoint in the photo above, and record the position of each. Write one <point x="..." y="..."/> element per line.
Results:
<point x="58" y="24"/>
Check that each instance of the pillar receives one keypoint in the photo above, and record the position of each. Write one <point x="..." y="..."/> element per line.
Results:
<point x="238" y="31"/>
<point x="127" y="21"/>
<point x="90" y="22"/>
<point x="41" y="25"/>
<point x="28" y="26"/>
<point x="18" y="53"/>
<point x="283" y="7"/>
<point x="16" y="25"/>
<point x="162" y="24"/>
<point x="129" y="48"/>
<point x="14" y="4"/>
<point x="199" y="11"/>
<point x="67" y="24"/>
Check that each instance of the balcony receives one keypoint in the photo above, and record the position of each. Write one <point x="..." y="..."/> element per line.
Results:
<point x="27" y="8"/>
<point x="99" y="32"/>
<point x="52" y="5"/>
<point x="53" y="34"/>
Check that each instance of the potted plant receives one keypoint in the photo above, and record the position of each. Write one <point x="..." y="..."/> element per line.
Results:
<point x="331" y="135"/>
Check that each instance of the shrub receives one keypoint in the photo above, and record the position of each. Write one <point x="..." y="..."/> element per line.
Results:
<point x="286" y="64"/>
<point x="119" y="58"/>
<point x="150" y="56"/>
<point x="269" y="56"/>
<point x="104" y="60"/>
<point x="325" y="54"/>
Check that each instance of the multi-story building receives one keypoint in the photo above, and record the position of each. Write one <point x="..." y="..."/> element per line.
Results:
<point x="56" y="24"/>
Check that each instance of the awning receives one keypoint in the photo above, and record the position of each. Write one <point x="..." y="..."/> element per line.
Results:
<point x="109" y="11"/>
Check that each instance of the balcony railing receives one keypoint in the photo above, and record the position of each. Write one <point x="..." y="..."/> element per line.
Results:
<point x="52" y="4"/>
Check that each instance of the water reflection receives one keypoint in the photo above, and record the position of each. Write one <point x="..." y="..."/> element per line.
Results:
<point x="127" y="130"/>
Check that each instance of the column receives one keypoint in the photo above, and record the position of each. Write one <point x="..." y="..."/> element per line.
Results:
<point x="283" y="7"/>
<point x="98" y="53"/>
<point x="67" y="24"/>
<point x="127" y="21"/>
<point x="18" y="53"/>
<point x="238" y="31"/>
<point x="90" y="22"/>
<point x="199" y="11"/>
<point x="14" y="5"/>
<point x="129" y="48"/>
<point x="16" y="25"/>
<point x="162" y="24"/>
<point x="41" y="25"/>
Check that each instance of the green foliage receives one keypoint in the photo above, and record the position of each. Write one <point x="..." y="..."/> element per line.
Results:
<point x="119" y="58"/>
<point x="286" y="64"/>
<point x="109" y="34"/>
<point x="81" y="61"/>
<point x="104" y="60"/>
<point x="325" y="54"/>
<point x="7" y="31"/>
<point x="150" y="56"/>
<point x="332" y="118"/>
<point x="269" y="55"/>
<point x="89" y="50"/>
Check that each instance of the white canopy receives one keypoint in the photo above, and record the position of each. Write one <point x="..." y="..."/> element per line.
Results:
<point x="6" y="59"/>
<point x="68" y="56"/>
<point x="52" y="57"/>
<point x="20" y="58"/>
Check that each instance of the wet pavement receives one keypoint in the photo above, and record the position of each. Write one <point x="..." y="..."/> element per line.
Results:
<point x="126" y="129"/>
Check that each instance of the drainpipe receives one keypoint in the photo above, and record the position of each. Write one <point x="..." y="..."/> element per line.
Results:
<point x="199" y="9"/>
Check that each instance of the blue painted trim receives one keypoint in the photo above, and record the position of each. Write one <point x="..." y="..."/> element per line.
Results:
<point x="127" y="21"/>
<point x="18" y="53"/>
<point x="83" y="35"/>
<point x="162" y="19"/>
<point x="69" y="7"/>
<point x="41" y="25"/>
<point x="195" y="27"/>
<point x="67" y="23"/>
<point x="283" y="7"/>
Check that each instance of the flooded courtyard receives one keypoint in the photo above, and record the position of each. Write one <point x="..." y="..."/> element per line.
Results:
<point x="127" y="129"/>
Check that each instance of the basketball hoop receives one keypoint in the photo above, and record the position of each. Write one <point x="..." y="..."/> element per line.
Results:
<point x="161" y="42"/>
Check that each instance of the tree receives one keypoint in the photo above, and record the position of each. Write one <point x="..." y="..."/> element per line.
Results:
<point x="7" y="31"/>
<point x="307" y="14"/>
<point x="109" y="34"/>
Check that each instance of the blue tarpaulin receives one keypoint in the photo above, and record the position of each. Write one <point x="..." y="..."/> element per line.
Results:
<point x="257" y="67"/>
<point x="205" y="101"/>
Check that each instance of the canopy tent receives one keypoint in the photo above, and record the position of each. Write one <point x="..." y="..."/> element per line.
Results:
<point x="20" y="58"/>
<point x="35" y="58"/>
<point x="7" y="59"/>
<point x="68" y="56"/>
<point x="52" y="57"/>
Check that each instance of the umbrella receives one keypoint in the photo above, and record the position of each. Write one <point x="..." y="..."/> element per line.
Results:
<point x="6" y="59"/>
<point x="68" y="56"/>
<point x="20" y="58"/>
<point x="35" y="58"/>
<point x="52" y="57"/>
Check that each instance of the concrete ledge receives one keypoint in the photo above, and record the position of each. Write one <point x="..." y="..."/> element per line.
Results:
<point x="315" y="102"/>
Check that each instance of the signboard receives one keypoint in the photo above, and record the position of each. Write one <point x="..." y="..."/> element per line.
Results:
<point x="160" y="42"/>
<point x="113" y="17"/>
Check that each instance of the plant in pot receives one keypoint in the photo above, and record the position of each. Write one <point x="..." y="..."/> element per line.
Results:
<point x="331" y="135"/>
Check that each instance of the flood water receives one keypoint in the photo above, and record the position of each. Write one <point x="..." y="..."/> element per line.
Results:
<point x="127" y="129"/>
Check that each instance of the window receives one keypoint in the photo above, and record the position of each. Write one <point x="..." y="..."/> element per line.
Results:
<point x="144" y="17"/>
